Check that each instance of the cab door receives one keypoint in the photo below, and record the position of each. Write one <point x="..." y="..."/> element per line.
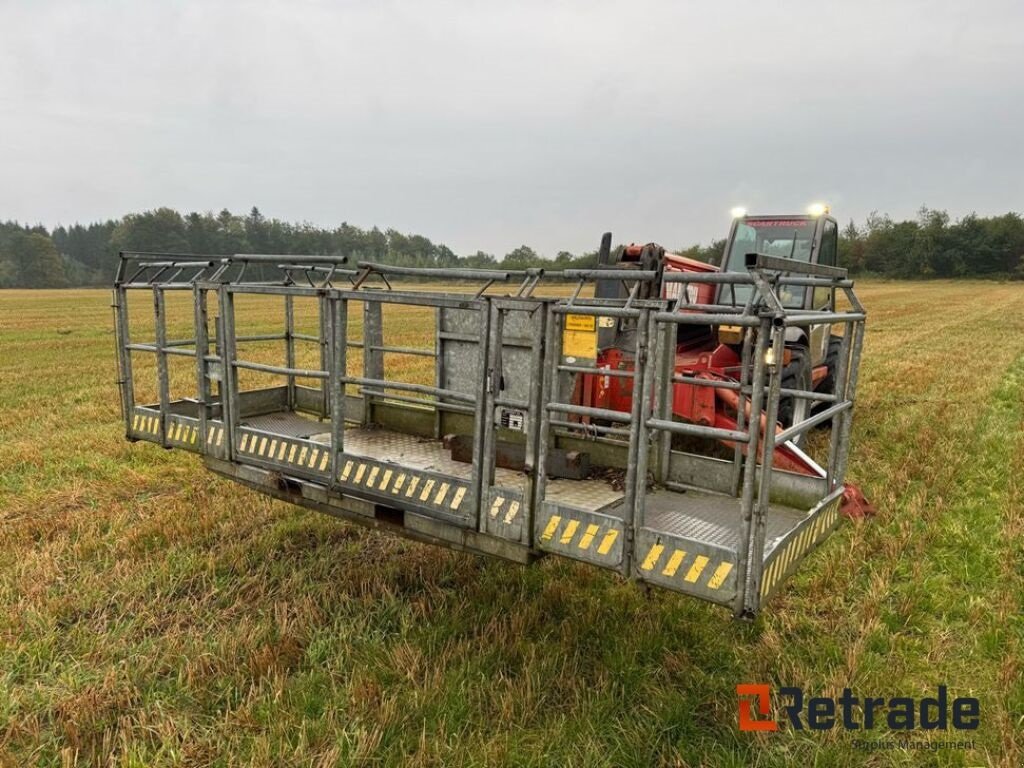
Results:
<point x="821" y="298"/>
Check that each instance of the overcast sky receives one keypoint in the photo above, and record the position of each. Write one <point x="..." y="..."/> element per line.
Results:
<point x="488" y="125"/>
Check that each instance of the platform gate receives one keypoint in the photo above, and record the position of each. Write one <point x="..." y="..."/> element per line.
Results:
<point x="512" y="425"/>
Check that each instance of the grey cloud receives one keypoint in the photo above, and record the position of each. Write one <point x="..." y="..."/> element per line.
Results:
<point x="486" y="126"/>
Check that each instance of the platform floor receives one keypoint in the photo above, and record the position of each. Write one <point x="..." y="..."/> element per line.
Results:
<point x="431" y="455"/>
<point x="695" y="514"/>
<point x="713" y="518"/>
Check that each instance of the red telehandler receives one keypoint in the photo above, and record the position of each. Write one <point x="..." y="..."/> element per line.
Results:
<point x="708" y="353"/>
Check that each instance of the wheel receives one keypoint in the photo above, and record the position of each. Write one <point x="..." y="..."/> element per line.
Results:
<point x="796" y="375"/>
<point x="828" y="384"/>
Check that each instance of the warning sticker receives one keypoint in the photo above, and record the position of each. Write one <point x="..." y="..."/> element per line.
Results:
<point x="580" y="322"/>
<point x="581" y="344"/>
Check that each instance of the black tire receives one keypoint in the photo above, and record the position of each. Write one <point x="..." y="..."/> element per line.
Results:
<point x="796" y="375"/>
<point x="828" y="384"/>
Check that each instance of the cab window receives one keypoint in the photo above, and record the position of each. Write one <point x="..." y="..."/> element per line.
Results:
<point x="788" y="238"/>
<point x="827" y="257"/>
<point x="828" y="245"/>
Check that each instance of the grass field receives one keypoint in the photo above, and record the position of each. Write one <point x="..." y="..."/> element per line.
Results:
<point x="153" y="614"/>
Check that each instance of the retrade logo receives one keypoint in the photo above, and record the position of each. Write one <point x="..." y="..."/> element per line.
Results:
<point x="854" y="713"/>
<point x="762" y="695"/>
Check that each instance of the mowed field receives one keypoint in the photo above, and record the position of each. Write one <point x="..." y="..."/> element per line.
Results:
<point x="154" y="614"/>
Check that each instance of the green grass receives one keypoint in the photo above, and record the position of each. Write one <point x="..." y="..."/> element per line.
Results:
<point x="153" y="614"/>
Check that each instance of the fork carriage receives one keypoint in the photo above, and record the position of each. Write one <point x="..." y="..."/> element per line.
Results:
<point x="455" y="462"/>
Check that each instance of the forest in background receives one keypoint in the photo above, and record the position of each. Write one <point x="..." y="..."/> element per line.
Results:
<point x="930" y="246"/>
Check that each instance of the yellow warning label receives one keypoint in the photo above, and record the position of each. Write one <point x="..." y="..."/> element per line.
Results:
<point x="579" y="344"/>
<point x="580" y="322"/>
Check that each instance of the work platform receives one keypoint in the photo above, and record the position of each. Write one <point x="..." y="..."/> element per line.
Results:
<point x="452" y="457"/>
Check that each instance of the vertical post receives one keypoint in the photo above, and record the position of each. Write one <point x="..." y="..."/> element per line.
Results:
<point x="202" y="348"/>
<point x="289" y="345"/>
<point x="533" y="417"/>
<point x="438" y="369"/>
<point x="750" y="464"/>
<point x="644" y="386"/>
<point x="741" y="408"/>
<point x="851" y="391"/>
<point x="755" y="567"/>
<point x="635" y="483"/>
<point x="229" y="388"/>
<point x="160" y="316"/>
<point x="839" y="379"/>
<point x="373" y="357"/>
<point x="124" y="356"/>
<point x="337" y="379"/>
<point x="325" y="401"/>
<point x="480" y="409"/>
<point x="492" y="377"/>
<point x="553" y="350"/>
<point x="666" y="398"/>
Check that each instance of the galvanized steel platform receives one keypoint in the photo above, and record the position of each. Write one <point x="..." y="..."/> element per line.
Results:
<point x="364" y="446"/>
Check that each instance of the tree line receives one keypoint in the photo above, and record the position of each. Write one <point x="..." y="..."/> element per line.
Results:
<point x="86" y="254"/>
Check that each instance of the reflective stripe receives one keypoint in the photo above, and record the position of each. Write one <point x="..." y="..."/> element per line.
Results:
<point x="513" y="510"/>
<point x="673" y="563"/>
<point x="569" y="532"/>
<point x="652" y="557"/>
<point x="719" y="576"/>
<point x="588" y="536"/>
<point x="697" y="568"/>
<point x="608" y="541"/>
<point x="551" y="527"/>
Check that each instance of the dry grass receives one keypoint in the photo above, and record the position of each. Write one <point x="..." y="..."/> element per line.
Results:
<point x="152" y="614"/>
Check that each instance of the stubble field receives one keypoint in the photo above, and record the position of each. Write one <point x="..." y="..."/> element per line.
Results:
<point x="154" y="614"/>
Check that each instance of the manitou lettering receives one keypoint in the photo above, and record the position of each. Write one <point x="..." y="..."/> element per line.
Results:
<point x="854" y="713"/>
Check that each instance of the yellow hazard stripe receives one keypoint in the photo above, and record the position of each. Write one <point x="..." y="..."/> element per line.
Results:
<point x="459" y="495"/>
<point x="551" y="527"/>
<point x="441" y="493"/>
<point x="569" y="532"/>
<point x="513" y="510"/>
<point x="413" y="482"/>
<point x="427" y="488"/>
<point x="697" y="568"/>
<point x="608" y="542"/>
<point x="673" y="563"/>
<point x="720" y="574"/>
<point x="588" y="536"/>
<point x="653" y="554"/>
